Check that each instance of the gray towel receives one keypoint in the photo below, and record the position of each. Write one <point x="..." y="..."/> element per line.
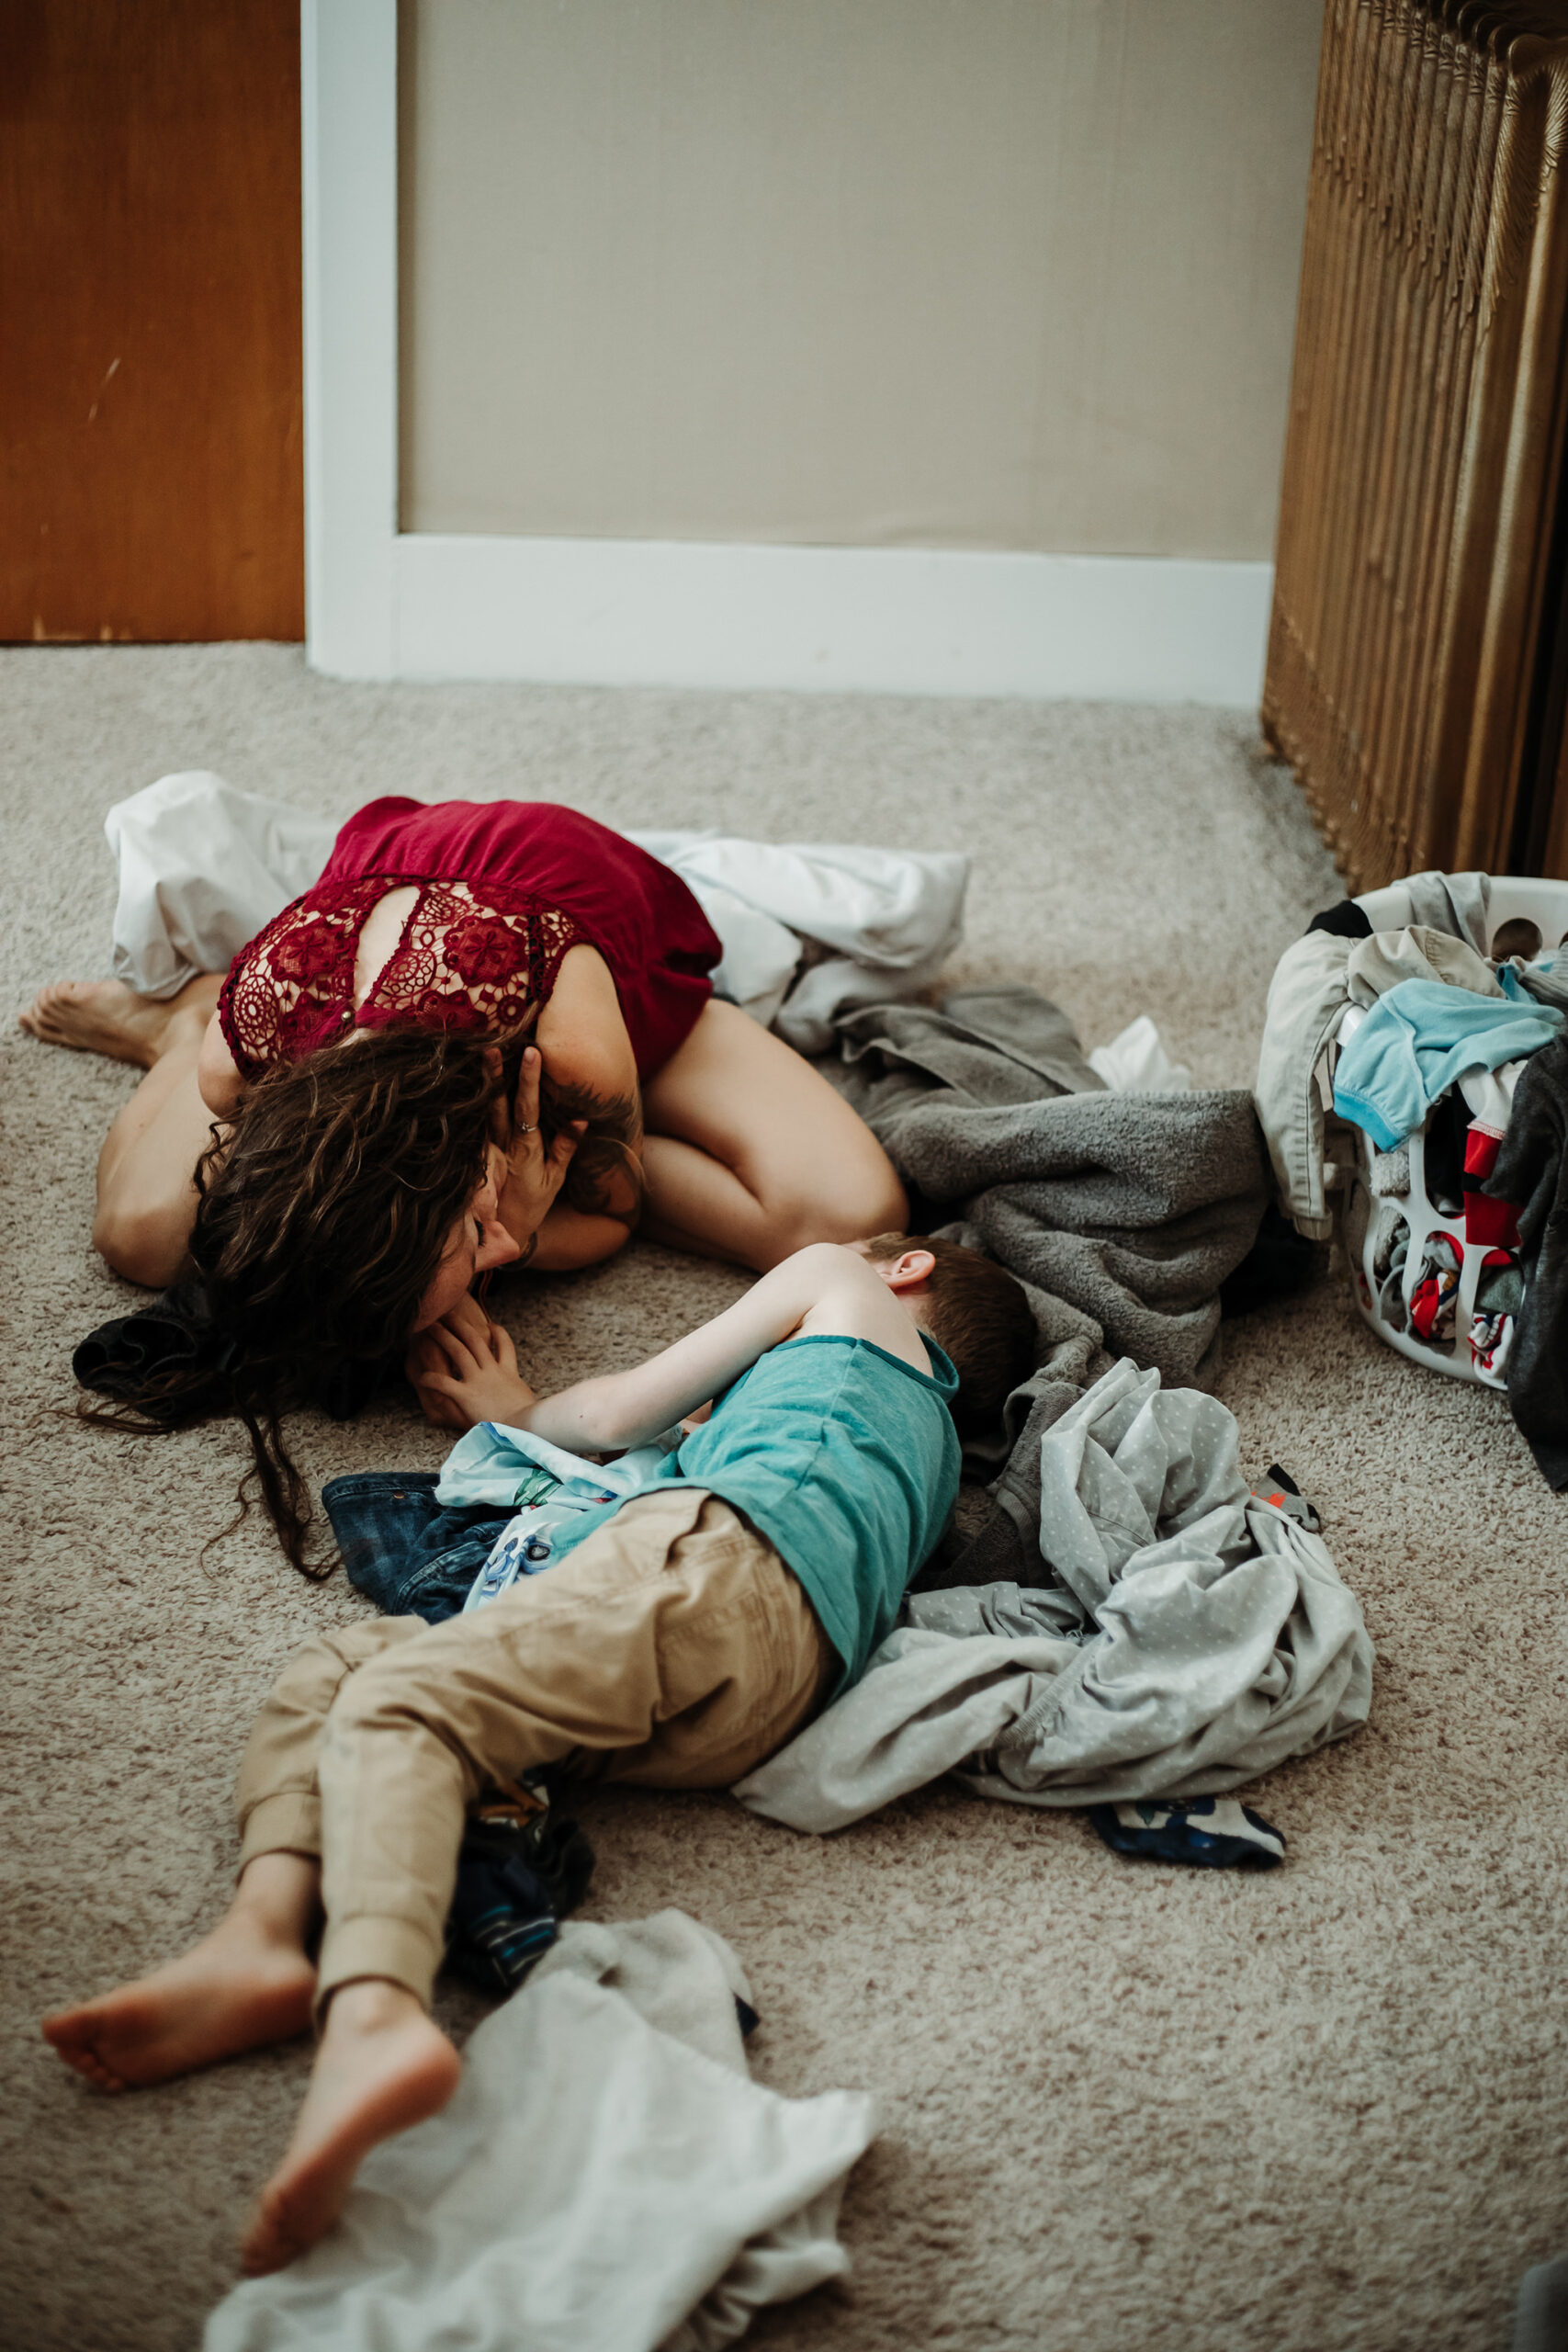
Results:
<point x="1131" y="1208"/>
<point x="1122" y="1213"/>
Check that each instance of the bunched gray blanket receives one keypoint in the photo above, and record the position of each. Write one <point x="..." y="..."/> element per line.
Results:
<point x="1122" y="1213"/>
<point x="1131" y="1208"/>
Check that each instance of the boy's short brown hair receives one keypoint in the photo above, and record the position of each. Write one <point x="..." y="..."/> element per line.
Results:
<point x="979" y="1314"/>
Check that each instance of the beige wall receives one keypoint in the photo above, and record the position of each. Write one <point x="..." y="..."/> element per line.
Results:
<point x="919" y="273"/>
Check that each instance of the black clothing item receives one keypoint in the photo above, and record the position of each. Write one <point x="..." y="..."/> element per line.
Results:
<point x="1346" y="921"/>
<point x="176" y="1334"/>
<point x="1281" y="1264"/>
<point x="1152" y="1832"/>
<point x="1448" y="1134"/>
<point x="520" y="1870"/>
<point x="1533" y="1169"/>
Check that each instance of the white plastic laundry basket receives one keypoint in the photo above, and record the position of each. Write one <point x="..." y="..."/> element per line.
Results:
<point x="1517" y="899"/>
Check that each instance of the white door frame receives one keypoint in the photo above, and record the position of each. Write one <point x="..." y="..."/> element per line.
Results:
<point x="382" y="603"/>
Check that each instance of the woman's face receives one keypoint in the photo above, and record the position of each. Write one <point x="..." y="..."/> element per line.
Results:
<point x="478" y="1241"/>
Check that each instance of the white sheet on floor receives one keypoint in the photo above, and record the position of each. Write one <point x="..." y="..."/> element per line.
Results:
<point x="806" y="931"/>
<point x="1191" y="1636"/>
<point x="871" y="925"/>
<point x="607" y="2178"/>
<point x="1135" y="1062"/>
<point x="202" y="867"/>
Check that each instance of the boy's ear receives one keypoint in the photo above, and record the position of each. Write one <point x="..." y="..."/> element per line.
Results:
<point x="907" y="1270"/>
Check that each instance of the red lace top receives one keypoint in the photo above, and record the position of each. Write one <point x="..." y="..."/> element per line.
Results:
<point x="505" y="886"/>
<point x="462" y="963"/>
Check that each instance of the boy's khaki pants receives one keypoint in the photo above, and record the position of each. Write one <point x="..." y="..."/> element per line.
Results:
<point x="673" y="1647"/>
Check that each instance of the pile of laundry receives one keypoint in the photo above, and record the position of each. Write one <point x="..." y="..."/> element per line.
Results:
<point x="1174" y="1633"/>
<point x="1122" y="1212"/>
<point x="1453" y="1065"/>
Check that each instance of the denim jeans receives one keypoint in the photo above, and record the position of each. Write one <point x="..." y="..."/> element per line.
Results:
<point x="403" y="1549"/>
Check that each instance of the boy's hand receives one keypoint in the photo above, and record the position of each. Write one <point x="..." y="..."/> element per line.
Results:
<point x="464" y="1371"/>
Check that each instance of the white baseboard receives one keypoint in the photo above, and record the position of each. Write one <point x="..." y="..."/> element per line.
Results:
<point x="827" y="619"/>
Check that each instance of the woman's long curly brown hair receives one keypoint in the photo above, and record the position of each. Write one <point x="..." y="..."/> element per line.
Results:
<point x="324" y="1213"/>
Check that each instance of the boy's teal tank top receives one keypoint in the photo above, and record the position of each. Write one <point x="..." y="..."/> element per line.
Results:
<point x="846" y="1459"/>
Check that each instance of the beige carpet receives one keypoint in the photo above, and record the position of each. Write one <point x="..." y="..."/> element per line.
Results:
<point x="1125" y="2106"/>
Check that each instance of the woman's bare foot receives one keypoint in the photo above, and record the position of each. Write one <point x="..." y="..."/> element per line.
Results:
<point x="106" y="1017"/>
<point x="383" y="2066"/>
<point x="248" y="1982"/>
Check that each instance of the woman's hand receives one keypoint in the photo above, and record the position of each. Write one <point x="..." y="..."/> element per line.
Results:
<point x="464" y="1371"/>
<point x="534" y="1174"/>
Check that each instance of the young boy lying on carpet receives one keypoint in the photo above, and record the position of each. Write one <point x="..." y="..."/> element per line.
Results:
<point x="678" y="1639"/>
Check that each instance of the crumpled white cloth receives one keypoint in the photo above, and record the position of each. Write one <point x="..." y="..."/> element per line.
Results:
<point x="1136" y="1062"/>
<point x="807" y="931"/>
<point x="490" y="1461"/>
<point x="1192" y="1637"/>
<point x="499" y="1468"/>
<point x="870" y="925"/>
<point x="202" y="866"/>
<point x="606" y="2178"/>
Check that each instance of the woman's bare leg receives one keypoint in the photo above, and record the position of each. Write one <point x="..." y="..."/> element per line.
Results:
<point x="146" y="1170"/>
<point x="106" y="1017"/>
<point x="749" y="1154"/>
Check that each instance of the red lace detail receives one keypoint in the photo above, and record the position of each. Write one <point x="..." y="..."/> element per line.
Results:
<point x="463" y="963"/>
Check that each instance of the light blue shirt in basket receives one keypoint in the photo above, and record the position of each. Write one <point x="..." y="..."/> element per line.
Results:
<point x="1417" y="1040"/>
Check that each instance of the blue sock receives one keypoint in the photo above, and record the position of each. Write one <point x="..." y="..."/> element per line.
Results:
<point x="1214" y="1832"/>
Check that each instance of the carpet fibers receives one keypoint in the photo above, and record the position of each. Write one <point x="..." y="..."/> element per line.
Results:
<point x="1124" y="2105"/>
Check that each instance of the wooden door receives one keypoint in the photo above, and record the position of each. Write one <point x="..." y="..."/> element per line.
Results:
<point x="150" y="320"/>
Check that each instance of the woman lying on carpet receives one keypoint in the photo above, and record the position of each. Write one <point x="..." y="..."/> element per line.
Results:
<point x="375" y="1126"/>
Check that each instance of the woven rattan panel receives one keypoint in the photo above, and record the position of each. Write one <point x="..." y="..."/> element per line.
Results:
<point x="1423" y="452"/>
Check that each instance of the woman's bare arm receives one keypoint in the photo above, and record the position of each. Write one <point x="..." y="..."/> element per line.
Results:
<point x="591" y="1076"/>
<point x="569" y="1240"/>
<point x="218" y="1074"/>
<point x="582" y="1030"/>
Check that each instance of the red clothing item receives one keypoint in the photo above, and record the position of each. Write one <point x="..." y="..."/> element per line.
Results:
<point x="506" y="886"/>
<point x="1486" y="1219"/>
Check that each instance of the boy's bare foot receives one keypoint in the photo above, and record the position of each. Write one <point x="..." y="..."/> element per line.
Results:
<point x="106" y="1017"/>
<point x="383" y="2066"/>
<point x="248" y="1982"/>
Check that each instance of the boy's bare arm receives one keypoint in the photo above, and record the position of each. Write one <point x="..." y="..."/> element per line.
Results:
<point x="819" y="1289"/>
